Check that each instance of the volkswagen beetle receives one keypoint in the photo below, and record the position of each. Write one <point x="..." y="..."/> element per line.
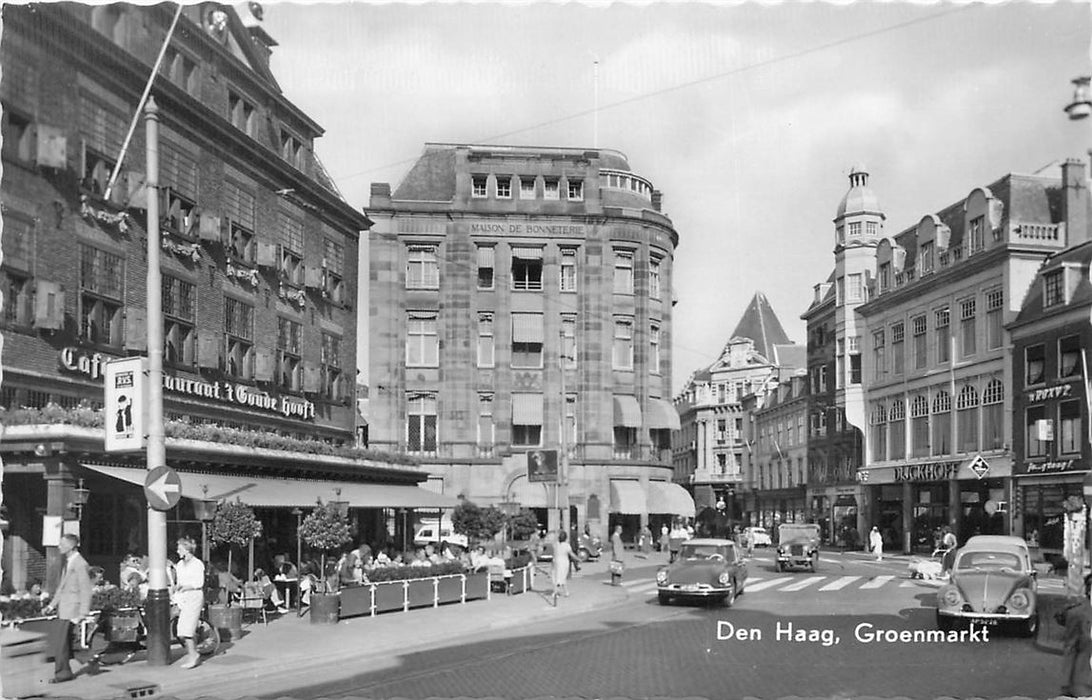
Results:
<point x="706" y="568"/>
<point x="992" y="583"/>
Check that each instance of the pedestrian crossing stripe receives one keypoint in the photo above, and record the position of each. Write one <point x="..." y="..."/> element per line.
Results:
<point x="803" y="583"/>
<point x="877" y="582"/>
<point x="840" y="583"/>
<point x="760" y="585"/>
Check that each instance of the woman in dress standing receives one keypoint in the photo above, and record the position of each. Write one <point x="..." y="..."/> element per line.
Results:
<point x="875" y="543"/>
<point x="189" y="596"/>
<point x="563" y="556"/>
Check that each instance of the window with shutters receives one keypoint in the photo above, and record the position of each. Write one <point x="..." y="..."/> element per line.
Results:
<point x="942" y="423"/>
<point x="333" y="260"/>
<point x="103" y="132"/>
<point x="568" y="269"/>
<point x="102" y="278"/>
<point x="421" y="424"/>
<point x="291" y="268"/>
<point x="422" y="340"/>
<point x="486" y="266"/>
<point x="330" y="369"/>
<point x="486" y="347"/>
<point x="526" y="268"/>
<point x="622" y="353"/>
<point x="179" y="321"/>
<point x="238" y="361"/>
<point x="239" y="207"/>
<point x="423" y="267"/>
<point x="993" y="416"/>
<point x="179" y="187"/>
<point x="527" y="340"/>
<point x="623" y="272"/>
<point x="289" y="358"/>
<point x="943" y="335"/>
<point x="967" y="419"/>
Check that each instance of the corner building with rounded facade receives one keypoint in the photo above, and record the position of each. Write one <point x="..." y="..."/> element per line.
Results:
<point x="490" y="268"/>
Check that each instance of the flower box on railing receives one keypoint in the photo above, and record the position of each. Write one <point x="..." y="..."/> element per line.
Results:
<point x="386" y="596"/>
<point x="122" y="625"/>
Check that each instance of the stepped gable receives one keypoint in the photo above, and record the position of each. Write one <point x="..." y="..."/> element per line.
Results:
<point x="760" y="324"/>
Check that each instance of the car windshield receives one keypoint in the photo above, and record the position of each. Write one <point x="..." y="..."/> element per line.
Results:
<point x="798" y="533"/>
<point x="758" y="530"/>
<point x="988" y="560"/>
<point x="703" y="551"/>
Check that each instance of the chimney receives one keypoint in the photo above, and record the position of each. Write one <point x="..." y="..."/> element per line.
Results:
<point x="657" y="199"/>
<point x="381" y="195"/>
<point x="1075" y="201"/>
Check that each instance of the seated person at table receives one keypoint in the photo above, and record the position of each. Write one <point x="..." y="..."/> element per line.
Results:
<point x="308" y="582"/>
<point x="270" y="595"/>
<point x="284" y="570"/>
<point x="382" y="559"/>
<point x="478" y="558"/>
<point x="431" y="555"/>
<point x="420" y="559"/>
<point x="98" y="579"/>
<point x="446" y="554"/>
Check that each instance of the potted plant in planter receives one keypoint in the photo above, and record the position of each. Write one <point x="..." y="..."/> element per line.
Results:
<point x="325" y="528"/>
<point x="234" y="525"/>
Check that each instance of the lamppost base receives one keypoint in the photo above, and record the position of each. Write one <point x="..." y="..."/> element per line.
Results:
<point x="157" y="619"/>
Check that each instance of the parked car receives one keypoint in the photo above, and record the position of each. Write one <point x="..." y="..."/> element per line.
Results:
<point x="797" y="545"/>
<point x="706" y="568"/>
<point x="757" y="537"/>
<point x="587" y="547"/>
<point x="437" y="534"/>
<point x="993" y="582"/>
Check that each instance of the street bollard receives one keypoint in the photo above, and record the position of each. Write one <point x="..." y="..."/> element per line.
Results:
<point x="616" y="569"/>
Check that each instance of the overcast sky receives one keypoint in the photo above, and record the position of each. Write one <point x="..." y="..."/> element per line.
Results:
<point x="748" y="118"/>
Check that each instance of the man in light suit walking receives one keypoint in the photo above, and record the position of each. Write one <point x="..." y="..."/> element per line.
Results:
<point x="72" y="602"/>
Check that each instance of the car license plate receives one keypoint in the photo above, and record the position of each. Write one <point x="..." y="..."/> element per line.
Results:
<point x="986" y="621"/>
<point x="690" y="587"/>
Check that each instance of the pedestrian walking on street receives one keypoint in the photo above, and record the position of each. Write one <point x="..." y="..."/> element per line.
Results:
<point x="875" y="543"/>
<point x="71" y="602"/>
<point x="189" y="596"/>
<point x="617" y="550"/>
<point x="1076" y="618"/>
<point x="563" y="558"/>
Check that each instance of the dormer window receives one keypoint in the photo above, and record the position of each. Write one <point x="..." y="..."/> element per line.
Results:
<point x="926" y="263"/>
<point x="975" y="241"/>
<point x="885" y="276"/>
<point x="1053" y="288"/>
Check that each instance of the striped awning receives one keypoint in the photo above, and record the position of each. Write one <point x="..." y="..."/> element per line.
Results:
<point x="662" y="416"/>
<point x="527" y="328"/>
<point x="527" y="409"/>
<point x="627" y="412"/>
<point x="627" y="497"/>
<point x="485" y="256"/>
<point x="668" y="497"/>
<point x="525" y="253"/>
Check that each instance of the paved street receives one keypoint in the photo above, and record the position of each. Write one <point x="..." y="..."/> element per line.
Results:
<point x="644" y="649"/>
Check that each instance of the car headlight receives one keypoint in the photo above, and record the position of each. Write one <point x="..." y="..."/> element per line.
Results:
<point x="950" y="597"/>
<point x="661" y="577"/>
<point x="1020" y="600"/>
<point x="780" y="551"/>
<point x="725" y="578"/>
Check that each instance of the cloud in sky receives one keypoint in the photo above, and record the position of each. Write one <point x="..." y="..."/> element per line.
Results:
<point x="747" y="117"/>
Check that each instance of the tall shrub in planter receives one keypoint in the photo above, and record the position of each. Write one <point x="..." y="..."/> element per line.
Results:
<point x="523" y="524"/>
<point x="234" y="525"/>
<point x="475" y="522"/>
<point x="325" y="528"/>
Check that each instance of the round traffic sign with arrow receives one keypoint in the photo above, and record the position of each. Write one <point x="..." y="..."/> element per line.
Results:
<point x="162" y="488"/>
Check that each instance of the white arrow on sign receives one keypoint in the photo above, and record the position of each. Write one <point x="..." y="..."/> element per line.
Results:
<point x="160" y="487"/>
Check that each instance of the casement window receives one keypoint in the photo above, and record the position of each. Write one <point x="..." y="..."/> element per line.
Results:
<point x="18" y="307"/>
<point x="622" y="352"/>
<point x="854" y="229"/>
<point x="968" y="331"/>
<point x="879" y="433"/>
<point x="878" y="359"/>
<point x="551" y="188"/>
<point x="289" y="358"/>
<point x="1069" y="428"/>
<point x="993" y="415"/>
<point x="854" y="287"/>
<point x="872" y="228"/>
<point x="898" y="355"/>
<point x="486" y="348"/>
<point x="421" y="424"/>
<point x="1034" y="365"/>
<point x="526" y="186"/>
<point x="238" y="338"/>
<point x="884" y="276"/>
<point x="1034" y="422"/>
<point x="486" y="426"/>
<point x="568" y="340"/>
<point x="896" y="421"/>
<point x="178" y="177"/>
<point x="422" y="339"/>
<point x="292" y="149"/>
<point x="1069" y="356"/>
<point x="102" y="278"/>
<point x="526" y="420"/>
<point x="526" y="268"/>
<point x="568" y="269"/>
<point x="423" y="267"/>
<point x="1053" y="288"/>
<point x="576" y="190"/>
<point x="623" y="272"/>
<point x="486" y="262"/>
<point x="330" y="370"/>
<point x="654" y="278"/>
<point x="291" y="268"/>
<point x="654" y="348"/>
<point x="333" y="261"/>
<point x="943" y="335"/>
<point x="504" y="186"/>
<point x="976" y="239"/>
<point x="625" y="442"/>
<point x="925" y="264"/>
<point x="527" y="340"/>
<point x="921" y="348"/>
<point x="479" y="186"/>
<point x="179" y="321"/>
<point x="854" y="353"/>
<point x="241" y="113"/>
<point x="103" y="132"/>
<point x="942" y="423"/>
<point x="994" y="319"/>
<point x="967" y="419"/>
<point x="919" y="426"/>
<point x="239" y="207"/>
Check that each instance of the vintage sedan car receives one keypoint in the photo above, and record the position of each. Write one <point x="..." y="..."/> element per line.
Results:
<point x="992" y="582"/>
<point x="706" y="568"/>
<point x="757" y="537"/>
<point x="797" y="545"/>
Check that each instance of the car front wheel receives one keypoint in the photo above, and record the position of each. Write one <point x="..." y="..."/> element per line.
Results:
<point x="730" y="596"/>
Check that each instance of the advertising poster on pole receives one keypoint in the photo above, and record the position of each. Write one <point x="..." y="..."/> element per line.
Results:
<point x="125" y="404"/>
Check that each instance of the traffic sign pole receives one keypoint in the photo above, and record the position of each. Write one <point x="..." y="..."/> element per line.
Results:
<point x="157" y="607"/>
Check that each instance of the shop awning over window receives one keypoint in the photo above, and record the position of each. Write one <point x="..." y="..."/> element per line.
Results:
<point x="627" y="412"/>
<point x="845" y="501"/>
<point x="527" y="253"/>
<point x="527" y="409"/>
<point x="271" y="492"/>
<point x="529" y="495"/>
<point x="662" y="416"/>
<point x="527" y="328"/>
<point x="668" y="497"/>
<point x="627" y="497"/>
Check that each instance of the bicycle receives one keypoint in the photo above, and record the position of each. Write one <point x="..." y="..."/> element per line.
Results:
<point x="110" y="643"/>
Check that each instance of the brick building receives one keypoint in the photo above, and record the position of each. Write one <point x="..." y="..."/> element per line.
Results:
<point x="258" y="265"/>
<point x="777" y="453"/>
<point x="491" y="266"/>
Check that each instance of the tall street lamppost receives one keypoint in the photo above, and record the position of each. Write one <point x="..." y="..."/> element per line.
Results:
<point x="298" y="512"/>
